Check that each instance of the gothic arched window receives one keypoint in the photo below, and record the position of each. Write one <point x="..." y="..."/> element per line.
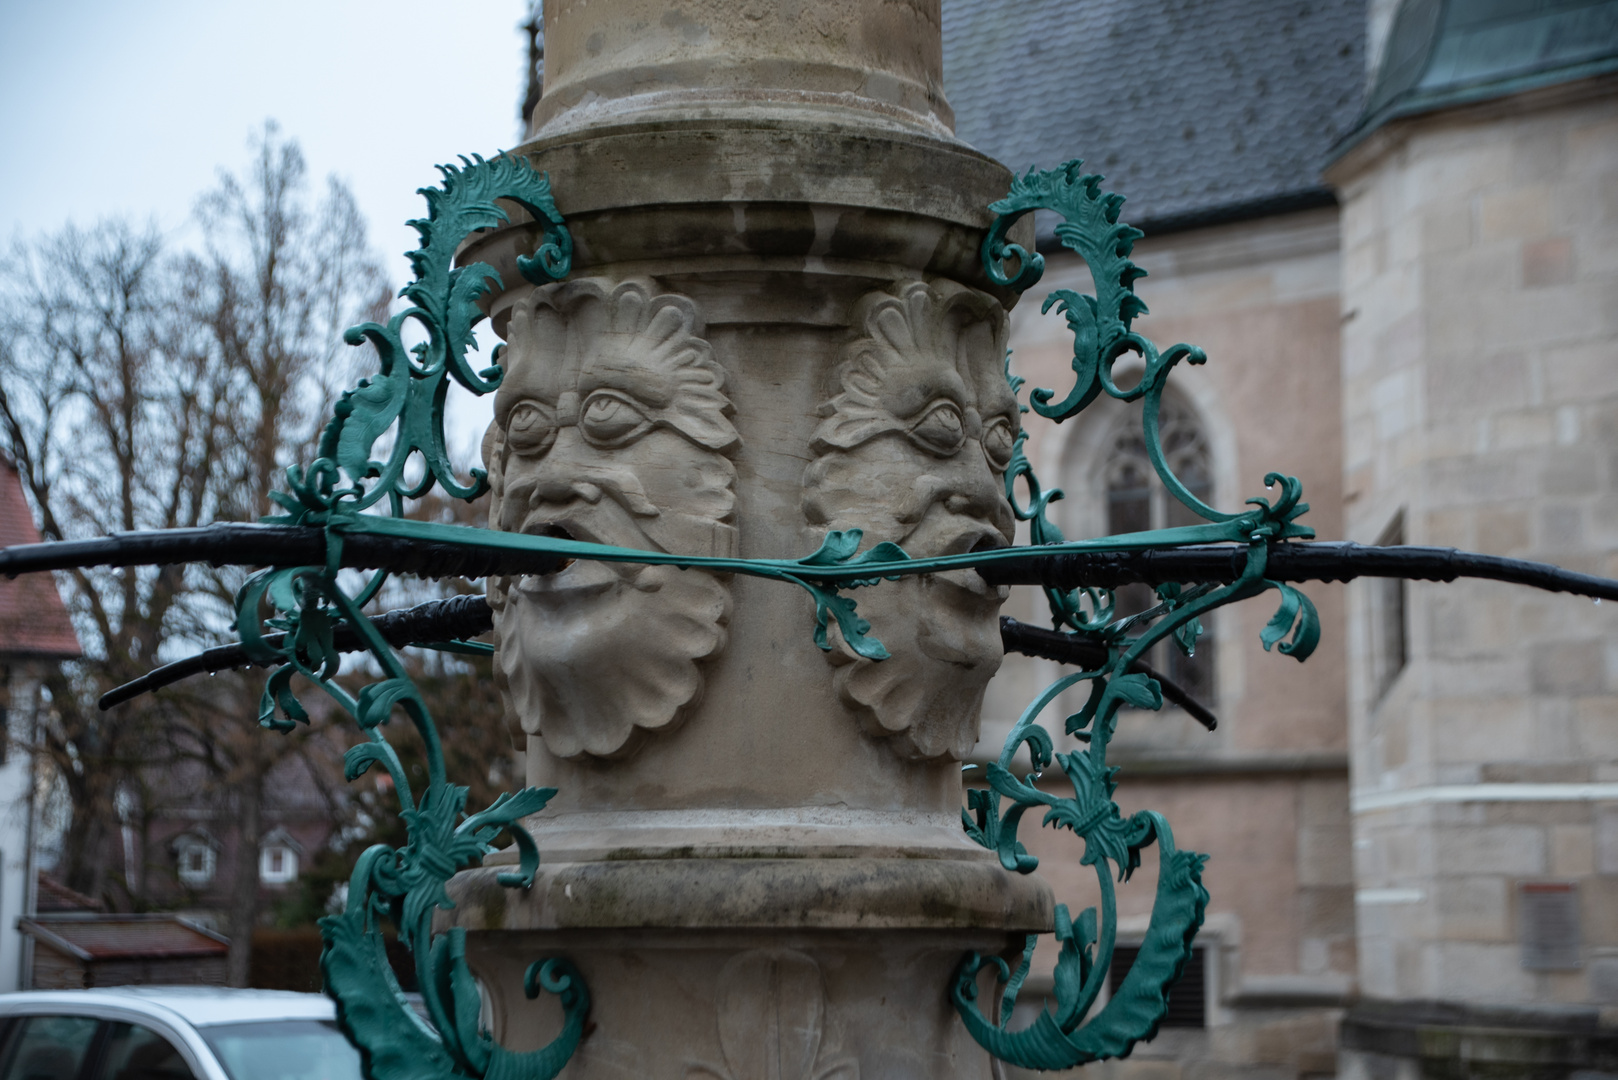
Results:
<point x="1137" y="501"/>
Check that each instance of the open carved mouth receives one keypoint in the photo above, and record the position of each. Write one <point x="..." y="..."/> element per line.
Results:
<point x="975" y="540"/>
<point x="572" y="577"/>
<point x="558" y="532"/>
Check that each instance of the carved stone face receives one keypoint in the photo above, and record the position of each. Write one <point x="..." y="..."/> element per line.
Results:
<point x="913" y="447"/>
<point x="611" y="426"/>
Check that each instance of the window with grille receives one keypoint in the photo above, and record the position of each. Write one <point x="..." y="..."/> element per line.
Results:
<point x="197" y="860"/>
<point x="277" y="865"/>
<point x="1137" y="501"/>
<point x="1188" y="995"/>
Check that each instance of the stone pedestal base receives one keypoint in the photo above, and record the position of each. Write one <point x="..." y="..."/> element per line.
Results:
<point x="747" y="1005"/>
<point x="745" y="969"/>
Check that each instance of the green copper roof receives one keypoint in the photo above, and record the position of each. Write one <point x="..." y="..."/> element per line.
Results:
<point x="1442" y="53"/>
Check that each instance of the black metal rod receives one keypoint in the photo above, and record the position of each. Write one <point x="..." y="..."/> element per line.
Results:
<point x="1064" y="648"/>
<point x="242" y="544"/>
<point x="294" y="545"/>
<point x="1291" y="561"/>
<point x="461" y="617"/>
<point x="436" y="620"/>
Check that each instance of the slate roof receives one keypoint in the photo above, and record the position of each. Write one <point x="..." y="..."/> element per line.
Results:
<point x="1197" y="111"/>
<point x="33" y="622"/>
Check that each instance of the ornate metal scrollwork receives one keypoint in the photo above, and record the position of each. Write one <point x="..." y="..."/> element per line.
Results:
<point x="1102" y="332"/>
<point x="408" y="883"/>
<point x="406" y="399"/>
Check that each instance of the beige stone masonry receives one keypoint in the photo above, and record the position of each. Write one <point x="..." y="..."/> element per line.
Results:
<point x="1480" y="401"/>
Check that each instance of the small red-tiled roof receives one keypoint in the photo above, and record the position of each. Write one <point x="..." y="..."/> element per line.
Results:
<point x="33" y="621"/>
<point x="125" y="937"/>
<point x="54" y="897"/>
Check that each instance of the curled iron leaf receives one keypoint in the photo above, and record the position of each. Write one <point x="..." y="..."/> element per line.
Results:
<point x="838" y="546"/>
<point x="832" y="606"/>
<point x="1063" y="1039"/>
<point x="1138" y="690"/>
<point x="1297" y="616"/>
<point x="1090" y="228"/>
<point x="278" y="694"/>
<point x="377" y="700"/>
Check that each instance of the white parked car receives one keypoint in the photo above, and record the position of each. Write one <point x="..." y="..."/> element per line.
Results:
<point x="172" y="1033"/>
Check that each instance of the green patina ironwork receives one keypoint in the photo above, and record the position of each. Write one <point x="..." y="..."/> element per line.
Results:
<point x="406" y="397"/>
<point x="406" y="885"/>
<point x="1101" y="324"/>
<point x="349" y="491"/>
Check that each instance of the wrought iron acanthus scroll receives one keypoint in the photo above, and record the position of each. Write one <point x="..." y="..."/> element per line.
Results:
<point x="1102" y="330"/>
<point x="405" y="400"/>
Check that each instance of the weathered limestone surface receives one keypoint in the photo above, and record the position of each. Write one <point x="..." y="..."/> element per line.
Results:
<point x="883" y="61"/>
<point x="776" y="325"/>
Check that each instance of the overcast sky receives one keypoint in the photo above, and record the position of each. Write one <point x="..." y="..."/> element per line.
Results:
<point x="111" y="108"/>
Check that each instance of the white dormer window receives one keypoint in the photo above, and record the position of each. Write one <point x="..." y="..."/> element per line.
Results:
<point x="277" y="865"/>
<point x="196" y="857"/>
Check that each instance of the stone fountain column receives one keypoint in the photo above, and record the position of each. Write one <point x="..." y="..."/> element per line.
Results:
<point x="776" y="327"/>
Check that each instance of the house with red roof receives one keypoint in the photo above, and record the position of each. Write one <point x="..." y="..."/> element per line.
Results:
<point x="35" y="635"/>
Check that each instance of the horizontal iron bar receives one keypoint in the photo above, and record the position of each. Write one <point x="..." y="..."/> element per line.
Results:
<point x="245" y="544"/>
<point x="460" y="617"/>
<point x="1317" y="560"/>
<point x="1019" y="637"/>
<point x="1056" y="566"/>
<point x="436" y="620"/>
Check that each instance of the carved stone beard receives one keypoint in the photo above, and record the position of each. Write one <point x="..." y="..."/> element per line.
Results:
<point x="913" y="448"/>
<point x="611" y="427"/>
<point x="593" y="675"/>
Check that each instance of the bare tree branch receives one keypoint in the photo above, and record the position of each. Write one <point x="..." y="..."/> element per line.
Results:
<point x="142" y="389"/>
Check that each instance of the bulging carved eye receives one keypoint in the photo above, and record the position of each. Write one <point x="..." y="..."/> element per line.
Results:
<point x="609" y="419"/>
<point x="998" y="443"/>
<point x="528" y="429"/>
<point x="941" y="430"/>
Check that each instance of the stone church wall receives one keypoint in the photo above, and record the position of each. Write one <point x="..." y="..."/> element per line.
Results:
<point x="1480" y="396"/>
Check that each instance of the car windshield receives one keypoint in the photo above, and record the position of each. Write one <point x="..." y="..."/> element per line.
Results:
<point x="284" y="1050"/>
